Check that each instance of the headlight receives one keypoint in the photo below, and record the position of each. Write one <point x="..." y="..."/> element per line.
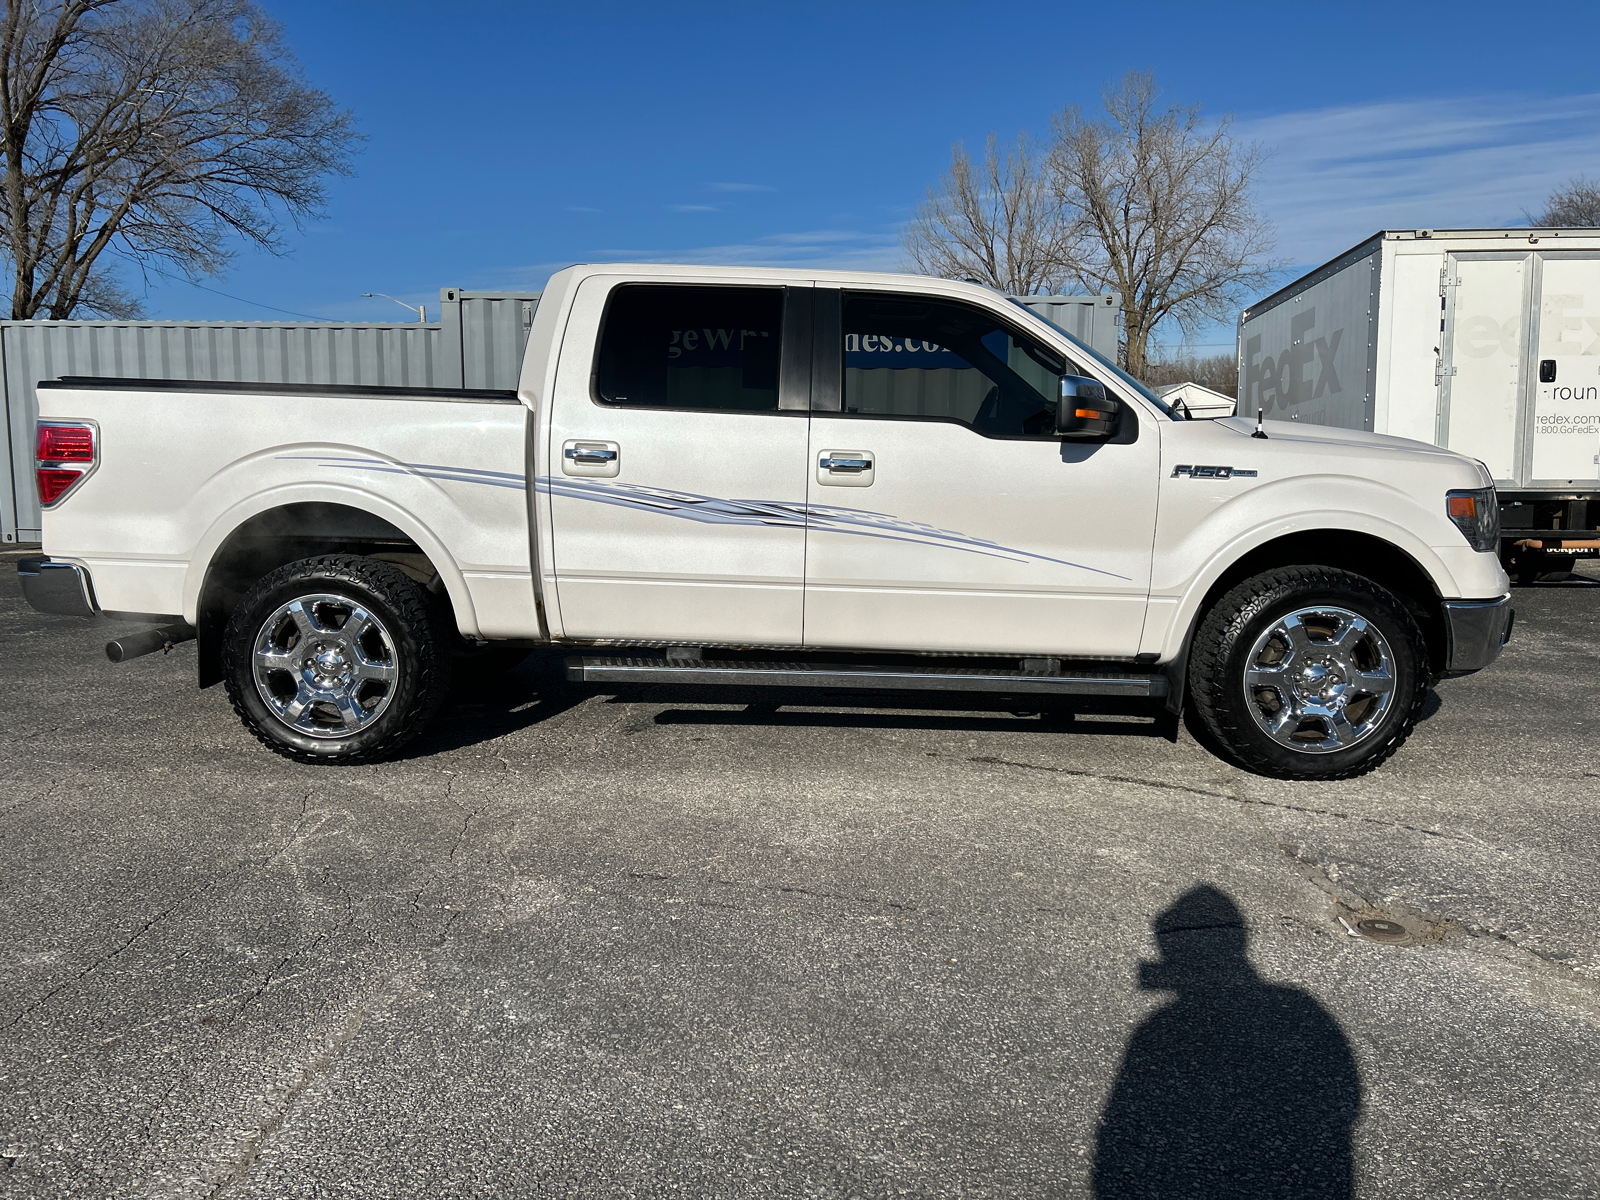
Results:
<point x="1477" y="514"/>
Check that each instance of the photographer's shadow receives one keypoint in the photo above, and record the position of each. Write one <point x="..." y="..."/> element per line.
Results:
<point x="1237" y="1088"/>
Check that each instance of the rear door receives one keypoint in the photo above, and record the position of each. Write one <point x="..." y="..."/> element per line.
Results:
<point x="677" y="473"/>
<point x="944" y="512"/>
<point x="1483" y="364"/>
<point x="1565" y="434"/>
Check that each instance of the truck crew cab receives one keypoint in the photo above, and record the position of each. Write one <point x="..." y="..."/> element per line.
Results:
<point x="775" y="477"/>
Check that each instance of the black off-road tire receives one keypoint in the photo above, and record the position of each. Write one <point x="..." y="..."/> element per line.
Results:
<point x="421" y="651"/>
<point x="1227" y="633"/>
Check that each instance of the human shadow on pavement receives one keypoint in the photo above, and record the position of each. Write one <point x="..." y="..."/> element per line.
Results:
<point x="1237" y="1088"/>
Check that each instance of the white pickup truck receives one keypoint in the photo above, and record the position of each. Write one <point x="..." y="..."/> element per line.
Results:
<point x="763" y="477"/>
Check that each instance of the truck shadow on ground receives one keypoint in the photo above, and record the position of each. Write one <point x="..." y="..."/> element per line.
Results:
<point x="1557" y="582"/>
<point x="935" y="712"/>
<point x="481" y="709"/>
<point x="1237" y="1087"/>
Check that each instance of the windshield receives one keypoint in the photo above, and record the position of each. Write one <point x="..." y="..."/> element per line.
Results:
<point x="1103" y="361"/>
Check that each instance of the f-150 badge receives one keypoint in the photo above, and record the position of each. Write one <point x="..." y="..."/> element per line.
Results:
<point x="1212" y="472"/>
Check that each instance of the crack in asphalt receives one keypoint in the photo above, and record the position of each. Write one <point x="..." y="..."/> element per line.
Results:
<point x="139" y="933"/>
<point x="1211" y="793"/>
<point x="309" y="1073"/>
<point x="1315" y="872"/>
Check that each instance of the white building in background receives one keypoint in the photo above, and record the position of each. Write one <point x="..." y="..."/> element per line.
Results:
<point x="1200" y="402"/>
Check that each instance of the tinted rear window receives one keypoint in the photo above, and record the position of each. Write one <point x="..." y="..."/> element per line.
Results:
<point x="672" y="346"/>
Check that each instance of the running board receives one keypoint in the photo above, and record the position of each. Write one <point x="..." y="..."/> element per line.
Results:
<point x="837" y="675"/>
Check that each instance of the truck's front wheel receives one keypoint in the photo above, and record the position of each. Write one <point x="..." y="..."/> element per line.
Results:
<point x="336" y="659"/>
<point x="1308" y="673"/>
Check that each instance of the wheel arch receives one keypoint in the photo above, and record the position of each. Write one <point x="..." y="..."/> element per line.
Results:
<point x="1364" y="554"/>
<point x="249" y="543"/>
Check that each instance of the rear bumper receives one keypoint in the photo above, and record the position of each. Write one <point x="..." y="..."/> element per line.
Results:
<point x="62" y="588"/>
<point x="1476" y="630"/>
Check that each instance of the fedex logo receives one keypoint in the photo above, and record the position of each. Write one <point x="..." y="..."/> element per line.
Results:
<point x="1288" y="380"/>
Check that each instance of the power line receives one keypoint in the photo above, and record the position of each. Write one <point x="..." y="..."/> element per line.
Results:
<point x="270" y="308"/>
<point x="254" y="303"/>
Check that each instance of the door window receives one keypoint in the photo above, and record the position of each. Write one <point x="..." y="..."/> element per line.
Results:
<point x="913" y="357"/>
<point x="668" y="346"/>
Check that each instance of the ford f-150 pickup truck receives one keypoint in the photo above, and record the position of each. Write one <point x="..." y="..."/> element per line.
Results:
<point x="764" y="477"/>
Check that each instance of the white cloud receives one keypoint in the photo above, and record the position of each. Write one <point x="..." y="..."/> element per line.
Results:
<point x="741" y="187"/>
<point x="694" y="208"/>
<point x="1338" y="175"/>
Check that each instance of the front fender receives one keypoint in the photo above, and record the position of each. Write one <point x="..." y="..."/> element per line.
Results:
<point x="1203" y="531"/>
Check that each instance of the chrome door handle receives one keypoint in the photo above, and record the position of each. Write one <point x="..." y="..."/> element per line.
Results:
<point x="590" y="455"/>
<point x="845" y="464"/>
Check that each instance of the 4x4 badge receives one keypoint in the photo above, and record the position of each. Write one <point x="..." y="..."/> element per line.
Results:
<point x="1211" y="472"/>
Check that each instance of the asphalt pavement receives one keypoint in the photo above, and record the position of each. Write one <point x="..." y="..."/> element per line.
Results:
<point x="679" y="942"/>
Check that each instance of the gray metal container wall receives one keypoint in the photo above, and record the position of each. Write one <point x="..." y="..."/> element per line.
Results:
<point x="1309" y="352"/>
<point x="1093" y="320"/>
<point x="476" y="343"/>
<point x="490" y="330"/>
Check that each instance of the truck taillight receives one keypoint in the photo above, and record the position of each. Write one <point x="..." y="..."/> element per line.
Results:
<point x="65" y="454"/>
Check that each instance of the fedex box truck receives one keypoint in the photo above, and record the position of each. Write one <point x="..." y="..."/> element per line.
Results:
<point x="1486" y="341"/>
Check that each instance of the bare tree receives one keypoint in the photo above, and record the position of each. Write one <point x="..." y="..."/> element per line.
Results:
<point x="998" y="224"/>
<point x="1575" y="204"/>
<point x="1161" y="212"/>
<point x="151" y="131"/>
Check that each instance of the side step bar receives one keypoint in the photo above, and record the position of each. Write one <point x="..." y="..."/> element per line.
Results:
<point x="836" y="675"/>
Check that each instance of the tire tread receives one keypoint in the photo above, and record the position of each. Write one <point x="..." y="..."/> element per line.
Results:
<point x="417" y="613"/>
<point x="1220" y="630"/>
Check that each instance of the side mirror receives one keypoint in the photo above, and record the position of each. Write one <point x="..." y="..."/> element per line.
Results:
<point x="1085" y="411"/>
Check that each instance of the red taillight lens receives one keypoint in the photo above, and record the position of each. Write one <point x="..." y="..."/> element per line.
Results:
<point x="65" y="443"/>
<point x="57" y="443"/>
<point x="53" y="481"/>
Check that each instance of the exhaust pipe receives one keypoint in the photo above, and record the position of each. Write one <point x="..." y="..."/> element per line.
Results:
<point x="136" y="644"/>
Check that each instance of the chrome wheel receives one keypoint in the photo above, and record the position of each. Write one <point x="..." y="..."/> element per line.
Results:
<point x="1319" y="679"/>
<point x="324" y="666"/>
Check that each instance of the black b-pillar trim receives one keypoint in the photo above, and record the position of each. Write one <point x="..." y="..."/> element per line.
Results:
<point x="827" y="351"/>
<point x="794" y="372"/>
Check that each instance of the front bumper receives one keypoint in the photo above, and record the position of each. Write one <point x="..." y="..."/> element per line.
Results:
<point x="57" y="587"/>
<point x="1475" y="632"/>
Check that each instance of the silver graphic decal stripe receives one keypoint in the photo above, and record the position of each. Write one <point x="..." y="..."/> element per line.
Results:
<point x="709" y="510"/>
<point x="855" y="521"/>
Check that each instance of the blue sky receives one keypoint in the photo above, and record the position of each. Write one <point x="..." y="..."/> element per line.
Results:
<point x="508" y="140"/>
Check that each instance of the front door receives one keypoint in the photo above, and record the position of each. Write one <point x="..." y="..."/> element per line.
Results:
<point x="677" y="469"/>
<point x="944" y="513"/>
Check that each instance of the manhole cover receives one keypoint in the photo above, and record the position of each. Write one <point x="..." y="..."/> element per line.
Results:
<point x="1382" y="931"/>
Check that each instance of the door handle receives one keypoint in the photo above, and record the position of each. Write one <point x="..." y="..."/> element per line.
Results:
<point x="846" y="468"/>
<point x="829" y="463"/>
<point x="600" y="460"/>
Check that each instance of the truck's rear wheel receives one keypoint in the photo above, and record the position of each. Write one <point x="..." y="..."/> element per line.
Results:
<point x="336" y="659"/>
<point x="1308" y="673"/>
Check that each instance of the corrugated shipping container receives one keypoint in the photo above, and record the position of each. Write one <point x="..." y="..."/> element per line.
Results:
<point x="1093" y="320"/>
